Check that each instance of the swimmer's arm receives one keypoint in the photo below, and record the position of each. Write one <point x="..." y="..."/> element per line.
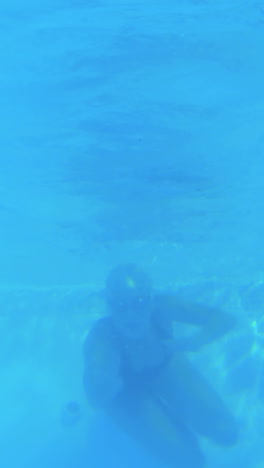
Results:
<point x="102" y="379"/>
<point x="212" y="323"/>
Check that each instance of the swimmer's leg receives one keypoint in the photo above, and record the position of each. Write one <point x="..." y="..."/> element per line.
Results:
<point x="186" y="393"/>
<point x="144" y="419"/>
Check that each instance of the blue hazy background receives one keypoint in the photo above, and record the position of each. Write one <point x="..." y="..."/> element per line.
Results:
<point x="129" y="130"/>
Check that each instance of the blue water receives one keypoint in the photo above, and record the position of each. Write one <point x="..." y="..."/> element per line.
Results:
<point x="130" y="130"/>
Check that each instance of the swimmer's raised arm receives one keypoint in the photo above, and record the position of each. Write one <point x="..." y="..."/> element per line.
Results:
<point x="213" y="323"/>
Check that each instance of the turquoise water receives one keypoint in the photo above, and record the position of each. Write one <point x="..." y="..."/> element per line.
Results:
<point x="129" y="131"/>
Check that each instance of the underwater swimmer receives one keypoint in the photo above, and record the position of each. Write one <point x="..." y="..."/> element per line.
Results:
<point x="136" y="369"/>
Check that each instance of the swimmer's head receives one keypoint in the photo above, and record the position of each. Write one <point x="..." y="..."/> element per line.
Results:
<point x="128" y="295"/>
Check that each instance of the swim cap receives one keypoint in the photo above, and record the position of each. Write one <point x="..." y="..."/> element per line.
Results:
<point x="126" y="286"/>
